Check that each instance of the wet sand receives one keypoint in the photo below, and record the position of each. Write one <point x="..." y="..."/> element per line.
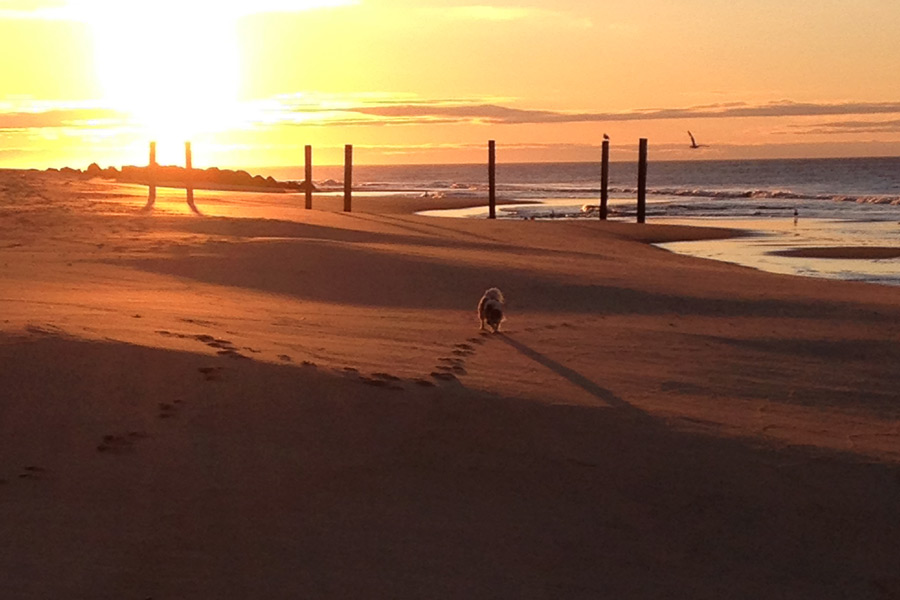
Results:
<point x="843" y="252"/>
<point x="273" y="402"/>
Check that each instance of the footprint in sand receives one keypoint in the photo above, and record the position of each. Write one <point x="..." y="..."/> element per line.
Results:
<point x="458" y="369"/>
<point x="120" y="444"/>
<point x="211" y="373"/>
<point x="49" y="330"/>
<point x="215" y="342"/>
<point x="456" y="364"/>
<point x="385" y="376"/>
<point x="374" y="382"/>
<point x="224" y="347"/>
<point x="442" y="376"/>
<point x="32" y="472"/>
<point x="200" y="322"/>
<point x="167" y="411"/>
<point x="384" y="380"/>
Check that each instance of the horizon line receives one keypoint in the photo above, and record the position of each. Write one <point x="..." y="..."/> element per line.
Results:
<point x="425" y="164"/>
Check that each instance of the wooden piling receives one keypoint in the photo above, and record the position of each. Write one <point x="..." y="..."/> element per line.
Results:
<point x="189" y="176"/>
<point x="308" y="165"/>
<point x="151" y="176"/>
<point x="492" y="179"/>
<point x="604" y="180"/>
<point x="642" y="182"/>
<point x="348" y="177"/>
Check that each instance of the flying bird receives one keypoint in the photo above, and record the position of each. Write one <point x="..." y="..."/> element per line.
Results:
<point x="694" y="143"/>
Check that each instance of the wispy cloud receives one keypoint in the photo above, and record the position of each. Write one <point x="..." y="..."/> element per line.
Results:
<point x="391" y="110"/>
<point x="489" y="13"/>
<point x="77" y="10"/>
<point x="25" y="9"/>
<point x="507" y="14"/>
<point x="444" y="111"/>
<point x="60" y="117"/>
<point x="843" y="127"/>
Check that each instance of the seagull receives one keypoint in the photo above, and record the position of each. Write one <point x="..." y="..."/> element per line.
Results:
<point x="694" y="143"/>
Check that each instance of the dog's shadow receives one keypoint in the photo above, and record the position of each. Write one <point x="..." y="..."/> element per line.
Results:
<point x="575" y="377"/>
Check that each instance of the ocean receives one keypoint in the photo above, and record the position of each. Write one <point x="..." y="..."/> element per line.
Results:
<point x="839" y="202"/>
<point x="826" y="187"/>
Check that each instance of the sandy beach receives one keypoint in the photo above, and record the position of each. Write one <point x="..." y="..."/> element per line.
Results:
<point x="269" y="402"/>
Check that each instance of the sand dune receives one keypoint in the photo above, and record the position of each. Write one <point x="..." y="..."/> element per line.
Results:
<point x="267" y="402"/>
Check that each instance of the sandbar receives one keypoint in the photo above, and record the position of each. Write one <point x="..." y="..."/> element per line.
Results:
<point x="842" y="252"/>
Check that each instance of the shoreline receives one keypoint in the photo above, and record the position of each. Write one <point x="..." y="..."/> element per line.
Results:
<point x="762" y="243"/>
<point x="856" y="250"/>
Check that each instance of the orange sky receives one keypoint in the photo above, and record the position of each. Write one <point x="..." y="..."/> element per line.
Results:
<point x="432" y="80"/>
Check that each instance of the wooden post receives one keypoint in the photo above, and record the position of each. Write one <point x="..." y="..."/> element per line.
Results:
<point x="348" y="177"/>
<point x="308" y="177"/>
<point x="188" y="176"/>
<point x="604" y="180"/>
<point x="492" y="179"/>
<point x="151" y="176"/>
<point x="642" y="182"/>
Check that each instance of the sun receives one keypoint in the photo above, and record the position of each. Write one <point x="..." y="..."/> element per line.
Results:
<point x="172" y="65"/>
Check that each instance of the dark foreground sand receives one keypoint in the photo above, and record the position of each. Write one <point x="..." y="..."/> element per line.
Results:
<point x="267" y="402"/>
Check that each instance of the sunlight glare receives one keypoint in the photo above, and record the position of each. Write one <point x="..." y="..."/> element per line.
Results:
<point x="172" y="65"/>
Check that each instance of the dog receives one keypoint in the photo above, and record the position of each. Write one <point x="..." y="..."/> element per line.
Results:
<point x="490" y="309"/>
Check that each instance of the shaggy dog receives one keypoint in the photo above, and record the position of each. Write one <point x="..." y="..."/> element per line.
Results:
<point x="490" y="309"/>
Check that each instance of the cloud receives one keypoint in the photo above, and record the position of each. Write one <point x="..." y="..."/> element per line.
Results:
<point x="29" y="5"/>
<point x="488" y="13"/>
<point x="493" y="13"/>
<point x="842" y="127"/>
<point x="384" y="112"/>
<point x="8" y="153"/>
<point x="80" y="10"/>
<point x="71" y="117"/>
<point x="787" y="108"/>
<point x="19" y="9"/>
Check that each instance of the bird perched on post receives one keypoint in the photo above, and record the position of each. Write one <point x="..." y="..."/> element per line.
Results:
<point x="605" y="138"/>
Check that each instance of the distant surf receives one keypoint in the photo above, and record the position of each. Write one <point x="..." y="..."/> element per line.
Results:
<point x="855" y="188"/>
<point x="839" y="203"/>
